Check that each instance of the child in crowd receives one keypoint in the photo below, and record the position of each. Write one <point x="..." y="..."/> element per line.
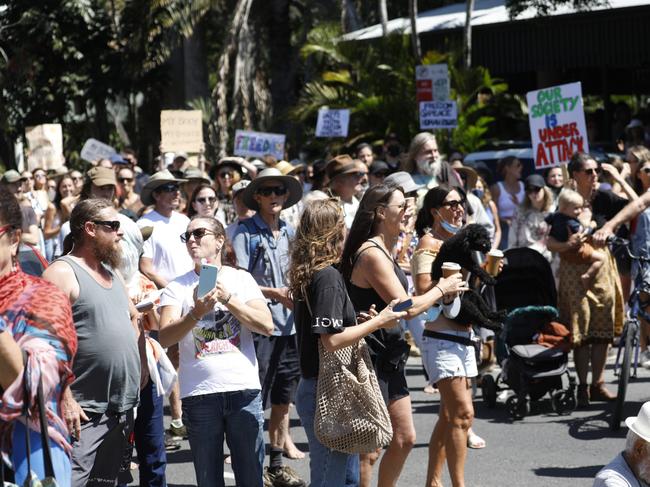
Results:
<point x="566" y="222"/>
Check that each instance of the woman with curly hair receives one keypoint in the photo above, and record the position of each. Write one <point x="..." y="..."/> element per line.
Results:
<point x="323" y="311"/>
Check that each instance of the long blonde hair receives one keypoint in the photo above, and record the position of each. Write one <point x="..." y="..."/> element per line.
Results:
<point x="317" y="243"/>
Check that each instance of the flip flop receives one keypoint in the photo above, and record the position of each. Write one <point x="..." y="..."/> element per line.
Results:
<point x="475" y="441"/>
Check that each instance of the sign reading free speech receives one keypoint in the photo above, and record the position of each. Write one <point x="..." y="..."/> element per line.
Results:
<point x="557" y="124"/>
<point x="259" y="144"/>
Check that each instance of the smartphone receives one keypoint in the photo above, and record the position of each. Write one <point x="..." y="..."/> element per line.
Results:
<point x="403" y="306"/>
<point x="207" y="279"/>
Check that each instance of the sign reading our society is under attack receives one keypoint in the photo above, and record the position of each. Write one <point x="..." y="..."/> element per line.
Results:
<point x="557" y="124"/>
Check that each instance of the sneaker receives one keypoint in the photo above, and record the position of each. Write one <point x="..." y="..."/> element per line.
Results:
<point x="267" y="478"/>
<point x="171" y="443"/>
<point x="179" y="433"/>
<point x="285" y="476"/>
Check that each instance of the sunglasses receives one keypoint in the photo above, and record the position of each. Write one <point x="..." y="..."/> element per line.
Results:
<point x="114" y="225"/>
<point x="27" y="178"/>
<point x="203" y="201"/>
<point x="454" y="204"/>
<point x="76" y="178"/>
<point x="358" y="175"/>
<point x="533" y="189"/>
<point x="226" y="174"/>
<point x="198" y="234"/>
<point x="592" y="171"/>
<point x="40" y="175"/>
<point x="168" y="188"/>
<point x="125" y="180"/>
<point x="277" y="190"/>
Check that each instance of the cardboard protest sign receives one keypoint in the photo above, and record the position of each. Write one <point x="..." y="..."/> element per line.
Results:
<point x="438" y="115"/>
<point x="181" y="130"/>
<point x="557" y="124"/>
<point x="45" y="146"/>
<point x="94" y="150"/>
<point x="259" y="144"/>
<point x="432" y="82"/>
<point x="332" y="123"/>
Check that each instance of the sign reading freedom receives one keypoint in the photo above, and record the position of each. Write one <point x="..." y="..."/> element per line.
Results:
<point x="557" y="124"/>
<point x="259" y="144"/>
<point x="181" y="130"/>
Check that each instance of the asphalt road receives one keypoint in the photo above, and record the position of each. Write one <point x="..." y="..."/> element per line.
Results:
<point x="543" y="449"/>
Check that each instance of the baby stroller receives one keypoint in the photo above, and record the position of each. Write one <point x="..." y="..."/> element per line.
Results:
<point x="526" y="289"/>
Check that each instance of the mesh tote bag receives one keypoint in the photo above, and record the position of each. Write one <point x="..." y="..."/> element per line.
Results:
<point x="351" y="416"/>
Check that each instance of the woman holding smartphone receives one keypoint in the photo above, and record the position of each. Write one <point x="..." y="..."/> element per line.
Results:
<point x="323" y="311"/>
<point x="218" y="375"/>
<point x="373" y="277"/>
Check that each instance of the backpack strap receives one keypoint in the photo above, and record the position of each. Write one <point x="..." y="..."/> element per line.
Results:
<point x="255" y="247"/>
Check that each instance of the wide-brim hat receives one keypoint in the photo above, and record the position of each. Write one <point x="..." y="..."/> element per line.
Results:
<point x="404" y="180"/>
<point x="230" y="161"/>
<point x="471" y="176"/>
<point x="641" y="424"/>
<point x="341" y="165"/>
<point x="11" y="176"/>
<point x="195" y="174"/>
<point x="272" y="174"/>
<point x="158" y="179"/>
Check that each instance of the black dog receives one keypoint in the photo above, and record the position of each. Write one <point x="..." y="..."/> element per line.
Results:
<point x="473" y="310"/>
<point x="459" y="249"/>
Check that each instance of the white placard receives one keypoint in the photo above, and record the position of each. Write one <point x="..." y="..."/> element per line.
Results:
<point x="438" y="115"/>
<point x="45" y="146"/>
<point x="181" y="130"/>
<point x="94" y="150"/>
<point x="557" y="124"/>
<point x="432" y="82"/>
<point x="259" y="144"/>
<point x="332" y="123"/>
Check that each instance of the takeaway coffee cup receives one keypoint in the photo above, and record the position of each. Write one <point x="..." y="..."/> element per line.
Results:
<point x="450" y="268"/>
<point x="494" y="257"/>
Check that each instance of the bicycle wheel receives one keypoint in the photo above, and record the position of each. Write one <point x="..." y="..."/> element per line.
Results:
<point x="623" y="376"/>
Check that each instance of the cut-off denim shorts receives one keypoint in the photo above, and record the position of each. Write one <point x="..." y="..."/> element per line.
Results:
<point x="444" y="359"/>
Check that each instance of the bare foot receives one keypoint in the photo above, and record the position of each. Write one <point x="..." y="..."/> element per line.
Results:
<point x="227" y="460"/>
<point x="291" y="450"/>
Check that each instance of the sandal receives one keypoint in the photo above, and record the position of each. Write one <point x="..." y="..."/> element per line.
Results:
<point x="475" y="441"/>
<point x="429" y="389"/>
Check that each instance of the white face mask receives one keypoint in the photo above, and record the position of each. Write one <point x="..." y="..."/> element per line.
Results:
<point x="425" y="166"/>
<point x="51" y="194"/>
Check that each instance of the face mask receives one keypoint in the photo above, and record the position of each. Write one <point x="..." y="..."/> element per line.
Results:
<point x="51" y="194"/>
<point x="448" y="227"/>
<point x="393" y="150"/>
<point x="479" y="193"/>
<point x="425" y="166"/>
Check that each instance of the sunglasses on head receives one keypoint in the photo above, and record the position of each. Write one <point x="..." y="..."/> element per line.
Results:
<point x="277" y="190"/>
<point x="591" y="171"/>
<point x="203" y="201"/>
<point x="168" y="188"/>
<point x="114" y="225"/>
<point x="453" y="204"/>
<point x="125" y="180"/>
<point x="198" y="234"/>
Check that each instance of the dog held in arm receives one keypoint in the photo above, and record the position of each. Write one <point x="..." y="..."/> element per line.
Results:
<point x="459" y="248"/>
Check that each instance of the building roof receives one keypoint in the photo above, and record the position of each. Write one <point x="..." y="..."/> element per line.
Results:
<point x="485" y="12"/>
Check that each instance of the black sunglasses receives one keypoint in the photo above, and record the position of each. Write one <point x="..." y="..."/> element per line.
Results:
<point x="203" y="201"/>
<point x="277" y="190"/>
<point x="168" y="188"/>
<point x="453" y="204"/>
<point x="114" y="225"/>
<point x="198" y="234"/>
<point x="226" y="174"/>
<point x="592" y="170"/>
<point x="125" y="180"/>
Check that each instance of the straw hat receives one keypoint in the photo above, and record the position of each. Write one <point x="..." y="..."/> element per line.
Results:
<point x="158" y="179"/>
<point x="272" y="174"/>
<point x="641" y="424"/>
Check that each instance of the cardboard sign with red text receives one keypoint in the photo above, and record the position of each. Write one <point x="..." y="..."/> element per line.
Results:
<point x="557" y="124"/>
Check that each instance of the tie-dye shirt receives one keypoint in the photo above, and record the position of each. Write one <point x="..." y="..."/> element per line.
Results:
<point x="39" y="317"/>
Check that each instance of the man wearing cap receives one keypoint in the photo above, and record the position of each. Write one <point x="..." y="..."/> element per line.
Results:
<point x="261" y="244"/>
<point x="241" y="209"/>
<point x="631" y="467"/>
<point x="345" y="182"/>
<point x="377" y="173"/>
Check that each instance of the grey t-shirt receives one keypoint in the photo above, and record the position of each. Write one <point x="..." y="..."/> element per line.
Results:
<point x="617" y="474"/>
<point x="107" y="363"/>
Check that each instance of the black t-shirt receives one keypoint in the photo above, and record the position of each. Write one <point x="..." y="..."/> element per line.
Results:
<point x="332" y="311"/>
<point x="562" y="226"/>
<point x="605" y="205"/>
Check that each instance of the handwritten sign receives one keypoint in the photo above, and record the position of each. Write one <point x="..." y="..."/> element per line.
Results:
<point x="332" y="123"/>
<point x="259" y="144"/>
<point x="438" y="115"/>
<point x="94" y="150"/>
<point x="557" y="124"/>
<point x="45" y="146"/>
<point x="432" y="82"/>
<point x="181" y="130"/>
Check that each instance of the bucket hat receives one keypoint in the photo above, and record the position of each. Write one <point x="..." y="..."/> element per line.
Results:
<point x="158" y="179"/>
<point x="641" y="424"/>
<point x="403" y="180"/>
<point x="272" y="174"/>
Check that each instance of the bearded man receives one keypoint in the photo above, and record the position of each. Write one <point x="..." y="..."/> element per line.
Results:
<point x="107" y="367"/>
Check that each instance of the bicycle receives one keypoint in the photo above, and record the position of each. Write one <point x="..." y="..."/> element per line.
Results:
<point x="629" y="342"/>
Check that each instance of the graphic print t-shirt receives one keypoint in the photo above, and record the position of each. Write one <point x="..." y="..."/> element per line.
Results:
<point x="218" y="354"/>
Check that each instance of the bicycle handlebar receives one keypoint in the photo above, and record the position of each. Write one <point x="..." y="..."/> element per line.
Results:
<point x="613" y="240"/>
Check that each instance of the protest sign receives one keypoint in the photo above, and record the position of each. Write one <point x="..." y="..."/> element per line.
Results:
<point x="332" y="123"/>
<point x="438" y="115"/>
<point x="94" y="150"/>
<point x="181" y="130"/>
<point x="45" y="146"/>
<point x="259" y="144"/>
<point x="432" y="82"/>
<point x="557" y="124"/>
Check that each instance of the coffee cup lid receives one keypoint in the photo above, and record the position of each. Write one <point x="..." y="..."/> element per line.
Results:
<point x="495" y="253"/>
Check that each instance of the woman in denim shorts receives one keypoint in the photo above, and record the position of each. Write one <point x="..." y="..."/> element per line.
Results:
<point x="449" y="358"/>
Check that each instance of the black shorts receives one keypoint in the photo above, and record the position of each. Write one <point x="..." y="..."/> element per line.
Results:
<point x="392" y="384"/>
<point x="279" y="367"/>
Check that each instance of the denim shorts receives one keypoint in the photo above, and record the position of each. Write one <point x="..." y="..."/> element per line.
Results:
<point x="443" y="358"/>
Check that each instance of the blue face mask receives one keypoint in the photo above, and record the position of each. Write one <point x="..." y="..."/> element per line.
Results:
<point x="448" y="227"/>
<point x="479" y="193"/>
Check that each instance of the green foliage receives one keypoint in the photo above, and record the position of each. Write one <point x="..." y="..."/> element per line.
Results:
<point x="545" y="7"/>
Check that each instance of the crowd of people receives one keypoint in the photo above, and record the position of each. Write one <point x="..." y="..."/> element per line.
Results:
<point x="310" y="255"/>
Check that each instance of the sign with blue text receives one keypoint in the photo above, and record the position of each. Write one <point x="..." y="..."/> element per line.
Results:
<point x="438" y="115"/>
<point x="259" y="144"/>
<point x="332" y="123"/>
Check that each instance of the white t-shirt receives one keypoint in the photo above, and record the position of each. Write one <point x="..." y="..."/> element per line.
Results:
<point x="164" y="247"/>
<point x="350" y="210"/>
<point x="617" y="474"/>
<point x="218" y="355"/>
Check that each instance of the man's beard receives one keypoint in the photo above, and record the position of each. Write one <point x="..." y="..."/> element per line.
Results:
<point x="108" y="253"/>
<point x="644" y="470"/>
